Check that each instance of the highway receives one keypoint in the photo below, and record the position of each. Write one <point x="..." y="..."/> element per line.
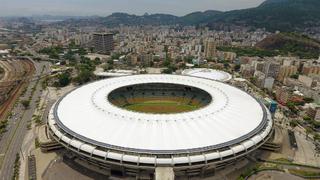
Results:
<point x="11" y="141"/>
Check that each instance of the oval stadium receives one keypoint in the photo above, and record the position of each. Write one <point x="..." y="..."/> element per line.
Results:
<point x="132" y="125"/>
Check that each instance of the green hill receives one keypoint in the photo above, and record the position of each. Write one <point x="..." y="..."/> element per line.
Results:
<point x="197" y="18"/>
<point x="291" y="43"/>
<point x="283" y="15"/>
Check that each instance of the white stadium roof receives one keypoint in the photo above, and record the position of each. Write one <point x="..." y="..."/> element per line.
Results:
<point x="232" y="114"/>
<point x="208" y="74"/>
<point x="233" y="124"/>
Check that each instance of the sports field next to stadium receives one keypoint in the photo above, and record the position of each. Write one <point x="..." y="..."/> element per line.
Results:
<point x="161" y="107"/>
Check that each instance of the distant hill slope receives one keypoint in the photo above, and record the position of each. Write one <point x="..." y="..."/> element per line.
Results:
<point x="293" y="43"/>
<point x="199" y="17"/>
<point x="283" y="15"/>
<point x="283" y="44"/>
<point x="116" y="19"/>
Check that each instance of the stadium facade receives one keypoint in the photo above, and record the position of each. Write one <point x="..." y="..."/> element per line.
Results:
<point x="92" y="124"/>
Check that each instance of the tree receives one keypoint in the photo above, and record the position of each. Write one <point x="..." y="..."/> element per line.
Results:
<point x="115" y="56"/>
<point x="226" y="65"/>
<point x="110" y="62"/>
<point x="316" y="124"/>
<point x="97" y="61"/>
<point x="54" y="56"/>
<point x="307" y="118"/>
<point x="166" y="63"/>
<point x="293" y="124"/>
<point x="292" y="107"/>
<point x="82" y="52"/>
<point x="308" y="100"/>
<point x="25" y="103"/>
<point x="308" y="131"/>
<point x="189" y="59"/>
<point x="53" y="51"/>
<point x="1" y="70"/>
<point x="69" y="56"/>
<point x="84" y="76"/>
<point x="72" y="45"/>
<point x="237" y="68"/>
<point x="294" y="76"/>
<point x="316" y="137"/>
<point x="169" y="70"/>
<point x="64" y="79"/>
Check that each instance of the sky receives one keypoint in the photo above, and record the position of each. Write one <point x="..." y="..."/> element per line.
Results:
<point x="107" y="7"/>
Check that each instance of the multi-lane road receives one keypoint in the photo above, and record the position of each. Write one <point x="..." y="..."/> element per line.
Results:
<point x="11" y="141"/>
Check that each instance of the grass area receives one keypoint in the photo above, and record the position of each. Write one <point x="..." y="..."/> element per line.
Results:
<point x="1" y="70"/>
<point x="3" y="126"/>
<point x="304" y="173"/>
<point x="16" y="168"/>
<point x="160" y="107"/>
<point x="259" y="167"/>
<point x="284" y="160"/>
<point x="1" y="159"/>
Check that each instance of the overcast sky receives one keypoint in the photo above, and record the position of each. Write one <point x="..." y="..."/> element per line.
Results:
<point x="106" y="7"/>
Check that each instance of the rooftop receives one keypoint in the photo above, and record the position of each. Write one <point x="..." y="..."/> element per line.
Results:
<point x="208" y="74"/>
<point x="231" y="117"/>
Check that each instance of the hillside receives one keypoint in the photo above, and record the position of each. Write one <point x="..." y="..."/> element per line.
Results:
<point x="291" y="43"/>
<point x="198" y="17"/>
<point x="283" y="15"/>
<point x="116" y="19"/>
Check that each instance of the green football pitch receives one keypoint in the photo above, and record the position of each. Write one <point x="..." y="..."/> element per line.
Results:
<point x="160" y="107"/>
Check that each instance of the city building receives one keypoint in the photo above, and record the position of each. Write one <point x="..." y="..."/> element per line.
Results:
<point x="309" y="69"/>
<point x="317" y="115"/>
<point x="227" y="56"/>
<point x="282" y="95"/>
<point x="308" y="81"/>
<point x="286" y="71"/>
<point x="313" y="111"/>
<point x="271" y="105"/>
<point x="259" y="79"/>
<point x="258" y="65"/>
<point x="210" y="48"/>
<point x="103" y="43"/>
<point x="268" y="83"/>
<point x="83" y="39"/>
<point x="247" y="71"/>
<point x="145" y="59"/>
<point x="271" y="69"/>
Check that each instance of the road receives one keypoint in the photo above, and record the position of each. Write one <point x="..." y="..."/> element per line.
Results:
<point x="11" y="142"/>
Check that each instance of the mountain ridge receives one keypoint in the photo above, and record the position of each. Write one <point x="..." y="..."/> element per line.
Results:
<point x="283" y="15"/>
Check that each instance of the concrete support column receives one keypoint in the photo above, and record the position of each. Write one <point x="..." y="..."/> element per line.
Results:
<point x="164" y="173"/>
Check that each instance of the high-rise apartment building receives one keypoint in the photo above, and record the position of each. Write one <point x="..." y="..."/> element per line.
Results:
<point x="210" y="48"/>
<point x="311" y="69"/>
<point x="271" y="69"/>
<point x="286" y="71"/>
<point x="103" y="43"/>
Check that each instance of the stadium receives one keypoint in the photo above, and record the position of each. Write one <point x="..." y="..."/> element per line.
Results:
<point x="130" y="126"/>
